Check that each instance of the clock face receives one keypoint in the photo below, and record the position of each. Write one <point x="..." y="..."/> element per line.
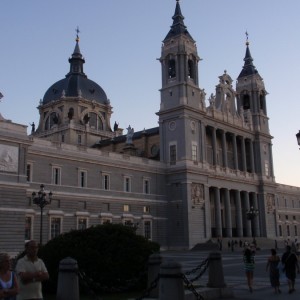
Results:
<point x="172" y="125"/>
<point x="154" y="150"/>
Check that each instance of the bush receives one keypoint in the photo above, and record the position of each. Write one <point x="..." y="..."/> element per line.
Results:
<point x="111" y="255"/>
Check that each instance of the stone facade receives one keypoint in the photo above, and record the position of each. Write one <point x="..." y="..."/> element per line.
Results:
<point x="193" y="178"/>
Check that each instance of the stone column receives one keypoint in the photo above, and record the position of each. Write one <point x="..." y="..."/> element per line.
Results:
<point x="235" y="155"/>
<point x="251" y="156"/>
<point x="224" y="146"/>
<point x="67" y="285"/>
<point x="244" y="161"/>
<point x="214" y="144"/>
<point x="170" y="281"/>
<point x="239" y="216"/>
<point x="218" y="220"/>
<point x="256" y="229"/>
<point x="248" y="222"/>
<point x="203" y="142"/>
<point x="228" y="214"/>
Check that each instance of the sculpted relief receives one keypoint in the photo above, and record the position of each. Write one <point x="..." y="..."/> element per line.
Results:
<point x="197" y="193"/>
<point x="8" y="158"/>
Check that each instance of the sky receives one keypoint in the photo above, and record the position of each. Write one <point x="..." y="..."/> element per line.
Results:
<point x="121" y="41"/>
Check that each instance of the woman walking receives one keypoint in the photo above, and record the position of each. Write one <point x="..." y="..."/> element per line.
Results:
<point x="272" y="266"/>
<point x="249" y="264"/>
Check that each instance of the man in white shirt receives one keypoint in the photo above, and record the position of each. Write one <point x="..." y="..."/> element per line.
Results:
<point x="31" y="271"/>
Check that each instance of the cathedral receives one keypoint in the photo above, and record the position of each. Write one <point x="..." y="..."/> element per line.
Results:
<point x="205" y="172"/>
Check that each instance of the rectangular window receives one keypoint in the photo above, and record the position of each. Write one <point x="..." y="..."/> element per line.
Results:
<point x="28" y="228"/>
<point x="82" y="223"/>
<point x="55" y="227"/>
<point x="146" y="186"/>
<point x="280" y="230"/>
<point x="147" y="229"/>
<point x="79" y="139"/>
<point x="82" y="178"/>
<point x="63" y="138"/>
<point x="288" y="230"/>
<point x="146" y="209"/>
<point x="56" y="171"/>
<point x="194" y="152"/>
<point x="173" y="154"/>
<point x="296" y="230"/>
<point x="267" y="168"/>
<point x="106" y="207"/>
<point x="105" y="183"/>
<point x="29" y="172"/>
<point x="126" y="208"/>
<point x="127" y="184"/>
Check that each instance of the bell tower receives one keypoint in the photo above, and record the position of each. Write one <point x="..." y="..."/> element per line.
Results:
<point x="181" y="97"/>
<point x="251" y="102"/>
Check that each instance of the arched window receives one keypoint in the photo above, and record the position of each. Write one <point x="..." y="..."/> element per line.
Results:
<point x="171" y="68"/>
<point x="95" y="121"/>
<point x="51" y="120"/>
<point x="262" y="102"/>
<point x="191" y="69"/>
<point x="246" y="102"/>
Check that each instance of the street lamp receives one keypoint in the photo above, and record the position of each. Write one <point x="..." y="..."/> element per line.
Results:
<point x="40" y="199"/>
<point x="298" y="137"/>
<point x="251" y="214"/>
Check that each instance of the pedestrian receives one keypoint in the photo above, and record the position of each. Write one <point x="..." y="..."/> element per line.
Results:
<point x="290" y="262"/>
<point x="9" y="287"/>
<point x="272" y="266"/>
<point x="249" y="265"/>
<point x="31" y="271"/>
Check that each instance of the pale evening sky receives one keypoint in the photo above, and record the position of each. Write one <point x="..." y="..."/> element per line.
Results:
<point x="121" y="41"/>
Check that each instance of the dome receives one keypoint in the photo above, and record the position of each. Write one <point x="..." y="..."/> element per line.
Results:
<point x="75" y="86"/>
<point x="76" y="83"/>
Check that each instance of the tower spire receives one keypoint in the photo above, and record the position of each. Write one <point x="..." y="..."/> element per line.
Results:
<point x="178" y="27"/>
<point x="77" y="60"/>
<point x="248" y="68"/>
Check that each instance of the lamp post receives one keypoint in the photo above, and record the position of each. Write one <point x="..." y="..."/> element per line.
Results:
<point x="251" y="214"/>
<point x="40" y="199"/>
<point x="298" y="137"/>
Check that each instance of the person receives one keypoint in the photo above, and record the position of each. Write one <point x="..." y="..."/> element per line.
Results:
<point x="272" y="266"/>
<point x="9" y="287"/>
<point x="249" y="265"/>
<point x="32" y="127"/>
<point x="290" y="262"/>
<point x="31" y="271"/>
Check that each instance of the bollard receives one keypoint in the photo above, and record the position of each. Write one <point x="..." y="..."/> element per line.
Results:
<point x="153" y="272"/>
<point x="215" y="272"/>
<point x="67" y="285"/>
<point x="170" y="281"/>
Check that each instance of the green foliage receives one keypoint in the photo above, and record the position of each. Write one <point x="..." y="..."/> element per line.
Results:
<point x="111" y="255"/>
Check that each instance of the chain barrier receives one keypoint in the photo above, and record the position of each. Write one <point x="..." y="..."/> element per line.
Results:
<point x="188" y="282"/>
<point x="86" y="282"/>
<point x="203" y="265"/>
<point x="152" y="286"/>
<point x="190" y="287"/>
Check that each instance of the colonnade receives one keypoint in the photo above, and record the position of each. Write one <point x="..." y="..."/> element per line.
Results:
<point x="229" y="150"/>
<point x="229" y="213"/>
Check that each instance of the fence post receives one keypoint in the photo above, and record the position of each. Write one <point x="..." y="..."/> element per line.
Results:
<point x="153" y="271"/>
<point x="67" y="285"/>
<point x="215" y="274"/>
<point x="170" y="281"/>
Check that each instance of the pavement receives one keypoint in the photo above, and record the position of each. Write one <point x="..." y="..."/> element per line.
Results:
<point x="234" y="276"/>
